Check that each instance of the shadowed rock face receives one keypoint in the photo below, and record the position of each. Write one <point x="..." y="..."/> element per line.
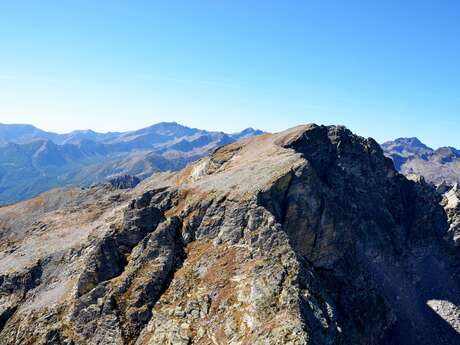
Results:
<point x="308" y="236"/>
<point x="124" y="182"/>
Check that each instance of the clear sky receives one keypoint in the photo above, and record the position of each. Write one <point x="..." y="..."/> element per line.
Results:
<point x="383" y="68"/>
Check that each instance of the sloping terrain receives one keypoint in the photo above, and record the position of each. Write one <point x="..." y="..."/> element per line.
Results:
<point x="308" y="236"/>
<point x="413" y="157"/>
<point x="33" y="161"/>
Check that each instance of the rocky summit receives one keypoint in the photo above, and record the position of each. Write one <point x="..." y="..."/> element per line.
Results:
<point x="309" y="236"/>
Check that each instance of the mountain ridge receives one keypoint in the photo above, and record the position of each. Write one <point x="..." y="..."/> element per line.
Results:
<point x="84" y="157"/>
<point x="307" y="236"/>
<point x="411" y="156"/>
<point x="22" y="133"/>
<point x="36" y="160"/>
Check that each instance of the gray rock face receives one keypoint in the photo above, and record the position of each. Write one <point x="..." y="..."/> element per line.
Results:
<point x="451" y="203"/>
<point x="308" y="236"/>
<point x="124" y="182"/>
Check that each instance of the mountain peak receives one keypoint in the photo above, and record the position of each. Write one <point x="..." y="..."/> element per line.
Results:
<point x="245" y="133"/>
<point x="413" y="141"/>
<point x="294" y="237"/>
<point x="409" y="144"/>
<point x="411" y="156"/>
<point x="21" y="133"/>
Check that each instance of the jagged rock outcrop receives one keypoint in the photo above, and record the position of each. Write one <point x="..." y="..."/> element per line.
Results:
<point x="124" y="181"/>
<point x="308" y="236"/>
<point x="451" y="203"/>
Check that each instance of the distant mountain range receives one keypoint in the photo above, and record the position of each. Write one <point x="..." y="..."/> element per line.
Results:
<point x="411" y="156"/>
<point x="33" y="161"/>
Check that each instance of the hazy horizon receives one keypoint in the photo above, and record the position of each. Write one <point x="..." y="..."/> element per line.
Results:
<point x="207" y="129"/>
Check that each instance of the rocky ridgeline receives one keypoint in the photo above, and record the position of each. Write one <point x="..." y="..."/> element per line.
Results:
<point x="308" y="236"/>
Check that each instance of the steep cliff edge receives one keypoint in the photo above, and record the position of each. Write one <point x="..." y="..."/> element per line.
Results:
<point x="308" y="236"/>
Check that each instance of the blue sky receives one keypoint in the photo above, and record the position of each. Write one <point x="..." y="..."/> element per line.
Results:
<point x="383" y="68"/>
